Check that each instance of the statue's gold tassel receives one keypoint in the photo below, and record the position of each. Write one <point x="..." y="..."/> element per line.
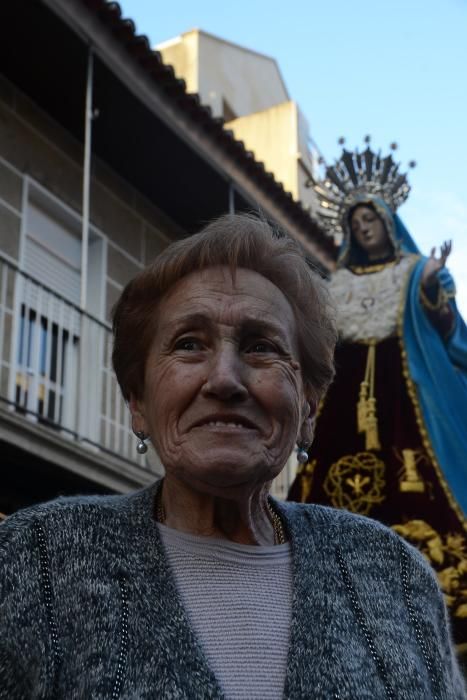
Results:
<point x="362" y="407"/>
<point x="372" y="436"/>
<point x="367" y="421"/>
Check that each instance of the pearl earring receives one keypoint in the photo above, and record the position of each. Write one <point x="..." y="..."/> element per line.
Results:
<point x="302" y="454"/>
<point x="141" y="447"/>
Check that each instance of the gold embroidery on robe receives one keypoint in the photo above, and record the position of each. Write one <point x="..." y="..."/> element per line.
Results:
<point x="356" y="482"/>
<point x="447" y="554"/>
<point x="410" y="480"/>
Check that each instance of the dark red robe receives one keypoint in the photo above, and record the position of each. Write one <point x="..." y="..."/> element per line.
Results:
<point x="399" y="484"/>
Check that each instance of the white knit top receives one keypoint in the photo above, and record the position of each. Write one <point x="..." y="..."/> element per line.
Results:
<point x="238" y="599"/>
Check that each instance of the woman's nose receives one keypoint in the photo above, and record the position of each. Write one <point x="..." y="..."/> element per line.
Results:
<point x="225" y="380"/>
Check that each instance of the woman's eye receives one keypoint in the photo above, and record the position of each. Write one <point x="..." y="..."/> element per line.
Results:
<point x="260" y="347"/>
<point x="188" y="344"/>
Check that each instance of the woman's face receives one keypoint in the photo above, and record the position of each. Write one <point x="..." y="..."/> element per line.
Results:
<point x="369" y="232"/>
<point x="223" y="397"/>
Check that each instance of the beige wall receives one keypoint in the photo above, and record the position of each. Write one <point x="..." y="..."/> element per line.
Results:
<point x="269" y="123"/>
<point x="275" y="137"/>
<point x="272" y="136"/>
<point x="182" y="54"/>
<point x="34" y="146"/>
<point x="225" y="70"/>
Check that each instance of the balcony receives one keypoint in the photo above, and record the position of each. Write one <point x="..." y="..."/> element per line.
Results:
<point x="58" y="395"/>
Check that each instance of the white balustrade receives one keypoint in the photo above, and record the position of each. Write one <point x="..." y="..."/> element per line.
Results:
<point x="55" y="367"/>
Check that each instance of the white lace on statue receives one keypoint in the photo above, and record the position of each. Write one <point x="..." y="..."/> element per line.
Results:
<point x="368" y="304"/>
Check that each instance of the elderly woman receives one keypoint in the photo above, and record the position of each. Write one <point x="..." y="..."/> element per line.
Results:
<point x="203" y="586"/>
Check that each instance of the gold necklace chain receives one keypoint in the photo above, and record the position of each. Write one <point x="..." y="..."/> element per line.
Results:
<point x="279" y="532"/>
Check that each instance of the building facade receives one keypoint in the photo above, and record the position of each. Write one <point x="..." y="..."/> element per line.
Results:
<point x="104" y="160"/>
<point x="247" y="90"/>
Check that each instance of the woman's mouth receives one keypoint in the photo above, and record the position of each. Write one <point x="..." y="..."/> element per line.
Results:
<point x="228" y="423"/>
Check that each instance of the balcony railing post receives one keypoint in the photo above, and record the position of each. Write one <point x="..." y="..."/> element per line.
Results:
<point x="88" y="116"/>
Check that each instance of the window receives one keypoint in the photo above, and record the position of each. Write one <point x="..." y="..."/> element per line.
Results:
<point x="52" y="253"/>
<point x="49" y="323"/>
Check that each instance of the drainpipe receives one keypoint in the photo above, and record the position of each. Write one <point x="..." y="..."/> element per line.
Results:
<point x="88" y="117"/>
<point x="231" y="199"/>
<point x="86" y="378"/>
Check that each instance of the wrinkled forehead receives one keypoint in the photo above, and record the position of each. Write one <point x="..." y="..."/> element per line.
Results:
<point x="228" y="285"/>
<point x="232" y="297"/>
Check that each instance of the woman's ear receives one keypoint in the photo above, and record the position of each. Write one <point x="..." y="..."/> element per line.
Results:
<point x="307" y="431"/>
<point x="138" y="421"/>
<point x="308" y="421"/>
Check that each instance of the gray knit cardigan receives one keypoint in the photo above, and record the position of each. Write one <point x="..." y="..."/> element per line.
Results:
<point x="89" y="609"/>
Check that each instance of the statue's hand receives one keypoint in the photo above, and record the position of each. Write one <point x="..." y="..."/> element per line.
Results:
<point x="434" y="264"/>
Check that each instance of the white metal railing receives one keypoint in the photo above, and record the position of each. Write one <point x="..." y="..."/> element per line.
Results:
<point x="55" y="367"/>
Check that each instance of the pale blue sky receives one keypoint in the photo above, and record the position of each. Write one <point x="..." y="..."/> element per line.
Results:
<point x="395" y="69"/>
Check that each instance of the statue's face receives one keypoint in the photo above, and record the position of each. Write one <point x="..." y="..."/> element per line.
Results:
<point x="369" y="232"/>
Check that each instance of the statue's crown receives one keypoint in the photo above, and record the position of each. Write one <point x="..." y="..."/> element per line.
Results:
<point x="355" y="175"/>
